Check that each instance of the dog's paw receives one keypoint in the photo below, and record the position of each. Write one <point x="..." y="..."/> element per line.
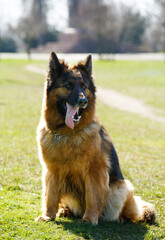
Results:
<point x="90" y="220"/>
<point x="64" y="212"/>
<point x="44" y="218"/>
<point x="150" y="216"/>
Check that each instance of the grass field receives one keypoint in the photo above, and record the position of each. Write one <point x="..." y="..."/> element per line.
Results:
<point x="140" y="144"/>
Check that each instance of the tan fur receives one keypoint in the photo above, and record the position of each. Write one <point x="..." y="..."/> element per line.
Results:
<point x="76" y="178"/>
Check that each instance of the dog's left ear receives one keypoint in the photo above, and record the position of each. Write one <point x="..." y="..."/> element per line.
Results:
<point x="88" y="64"/>
<point x="88" y="67"/>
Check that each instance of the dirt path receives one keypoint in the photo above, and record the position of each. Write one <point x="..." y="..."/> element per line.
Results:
<point x="117" y="100"/>
<point x="128" y="104"/>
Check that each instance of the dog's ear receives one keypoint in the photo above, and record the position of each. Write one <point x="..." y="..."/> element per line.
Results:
<point x="88" y="64"/>
<point x="55" y="68"/>
<point x="85" y="67"/>
<point x="54" y="64"/>
<point x="88" y="67"/>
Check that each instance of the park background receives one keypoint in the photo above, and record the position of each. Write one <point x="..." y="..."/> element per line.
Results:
<point x="82" y="26"/>
<point x="127" y="42"/>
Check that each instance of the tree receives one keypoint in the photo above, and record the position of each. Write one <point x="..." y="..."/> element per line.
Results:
<point x="8" y="44"/>
<point x="0" y="42"/>
<point x="95" y="23"/>
<point x="132" y="26"/>
<point x="102" y="22"/>
<point x="33" y="28"/>
<point x="32" y="25"/>
<point x="161" y="23"/>
<point x="112" y="29"/>
<point x="73" y="12"/>
<point x="92" y="19"/>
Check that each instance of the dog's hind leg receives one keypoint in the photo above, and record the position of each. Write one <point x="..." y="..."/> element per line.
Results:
<point x="122" y="204"/>
<point x="118" y="194"/>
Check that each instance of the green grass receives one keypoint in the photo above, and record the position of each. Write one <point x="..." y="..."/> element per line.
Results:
<point x="141" y="79"/>
<point x="140" y="144"/>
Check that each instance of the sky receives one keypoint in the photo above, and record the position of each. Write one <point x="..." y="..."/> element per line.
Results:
<point x="143" y="5"/>
<point x="11" y="10"/>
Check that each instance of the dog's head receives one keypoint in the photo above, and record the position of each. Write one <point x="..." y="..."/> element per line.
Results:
<point x="70" y="92"/>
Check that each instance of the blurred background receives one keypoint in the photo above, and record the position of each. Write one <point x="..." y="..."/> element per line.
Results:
<point x="131" y="103"/>
<point x="81" y="26"/>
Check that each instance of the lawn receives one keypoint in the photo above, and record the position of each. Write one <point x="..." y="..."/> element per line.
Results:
<point x="144" y="80"/>
<point x="140" y="144"/>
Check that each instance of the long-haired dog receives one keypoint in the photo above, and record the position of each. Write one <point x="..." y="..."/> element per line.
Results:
<point x="81" y="172"/>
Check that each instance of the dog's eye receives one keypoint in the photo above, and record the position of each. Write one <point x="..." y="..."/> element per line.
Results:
<point x="84" y="86"/>
<point x="69" y="86"/>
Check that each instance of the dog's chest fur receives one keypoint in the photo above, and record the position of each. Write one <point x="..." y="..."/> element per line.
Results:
<point x="76" y="151"/>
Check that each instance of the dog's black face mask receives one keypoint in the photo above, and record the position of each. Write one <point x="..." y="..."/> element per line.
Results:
<point x="72" y="88"/>
<point x="74" y="101"/>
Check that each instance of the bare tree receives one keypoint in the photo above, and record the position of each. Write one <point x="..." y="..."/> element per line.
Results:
<point x="132" y="28"/>
<point x="0" y="43"/>
<point x="73" y="12"/>
<point x="95" y="19"/>
<point x="112" y="30"/>
<point x="157" y="27"/>
<point x="34" y="24"/>
<point x="1" y="18"/>
<point x="162" y="21"/>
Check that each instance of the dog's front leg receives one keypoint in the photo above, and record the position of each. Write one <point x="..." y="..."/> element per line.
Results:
<point x="94" y="200"/>
<point x="50" y="197"/>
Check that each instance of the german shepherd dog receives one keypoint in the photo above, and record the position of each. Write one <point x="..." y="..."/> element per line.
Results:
<point x="81" y="172"/>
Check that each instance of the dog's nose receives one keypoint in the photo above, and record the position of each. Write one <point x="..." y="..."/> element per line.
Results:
<point x="82" y="102"/>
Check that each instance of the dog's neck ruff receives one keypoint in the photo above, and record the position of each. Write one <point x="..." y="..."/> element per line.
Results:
<point x="89" y="130"/>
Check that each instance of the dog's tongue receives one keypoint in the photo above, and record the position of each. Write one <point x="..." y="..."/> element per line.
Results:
<point x="70" y="112"/>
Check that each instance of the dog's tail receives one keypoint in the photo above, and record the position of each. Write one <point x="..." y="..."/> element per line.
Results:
<point x="135" y="209"/>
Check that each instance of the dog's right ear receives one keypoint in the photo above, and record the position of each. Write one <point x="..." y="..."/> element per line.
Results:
<point x="54" y="64"/>
<point x="55" y="68"/>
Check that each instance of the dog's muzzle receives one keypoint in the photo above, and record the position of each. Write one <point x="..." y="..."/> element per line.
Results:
<point x="82" y="102"/>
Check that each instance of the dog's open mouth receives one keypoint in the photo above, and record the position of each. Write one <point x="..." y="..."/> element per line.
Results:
<point x="72" y="115"/>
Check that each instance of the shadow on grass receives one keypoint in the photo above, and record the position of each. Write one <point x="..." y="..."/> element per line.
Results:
<point x="105" y="230"/>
